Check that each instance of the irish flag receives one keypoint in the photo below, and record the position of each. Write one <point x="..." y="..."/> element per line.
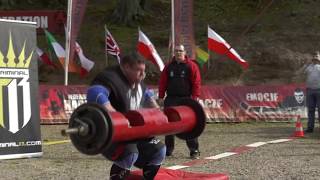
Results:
<point x="202" y="56"/>
<point x="146" y="49"/>
<point x="59" y="51"/>
<point x="218" y="45"/>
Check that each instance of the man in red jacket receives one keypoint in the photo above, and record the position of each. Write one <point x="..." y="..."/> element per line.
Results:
<point x="180" y="79"/>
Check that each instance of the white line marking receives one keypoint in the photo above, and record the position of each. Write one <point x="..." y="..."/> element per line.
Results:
<point x="176" y="167"/>
<point x="279" y="141"/>
<point x="256" y="144"/>
<point x="226" y="154"/>
<point x="222" y="155"/>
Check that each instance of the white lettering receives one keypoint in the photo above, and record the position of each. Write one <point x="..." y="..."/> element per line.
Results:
<point x="77" y="96"/>
<point x="37" y="19"/>
<point x="19" y="144"/>
<point x="71" y="105"/>
<point x="42" y="21"/>
<point x="262" y="97"/>
<point x="211" y="103"/>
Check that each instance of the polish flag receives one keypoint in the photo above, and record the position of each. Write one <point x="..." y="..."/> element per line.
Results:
<point x="146" y="49"/>
<point x="218" y="45"/>
<point x="86" y="64"/>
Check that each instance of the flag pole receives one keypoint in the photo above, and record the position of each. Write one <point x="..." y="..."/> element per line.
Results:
<point x="208" y="63"/>
<point x="106" y="53"/>
<point x="172" y="28"/>
<point x="66" y="61"/>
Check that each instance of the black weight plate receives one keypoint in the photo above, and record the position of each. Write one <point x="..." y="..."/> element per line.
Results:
<point x="201" y="119"/>
<point x="100" y="129"/>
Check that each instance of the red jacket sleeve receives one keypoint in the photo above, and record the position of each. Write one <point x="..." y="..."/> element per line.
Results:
<point x="163" y="82"/>
<point x="195" y="78"/>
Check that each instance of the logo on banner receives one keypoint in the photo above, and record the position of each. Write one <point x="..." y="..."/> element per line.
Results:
<point x="15" y="105"/>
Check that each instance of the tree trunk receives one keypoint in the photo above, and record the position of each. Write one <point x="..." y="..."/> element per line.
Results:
<point x="128" y="11"/>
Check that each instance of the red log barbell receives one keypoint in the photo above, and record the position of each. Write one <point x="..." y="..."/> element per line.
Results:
<point x="92" y="129"/>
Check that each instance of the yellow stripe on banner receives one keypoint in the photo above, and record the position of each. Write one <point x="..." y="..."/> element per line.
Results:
<point x="55" y="142"/>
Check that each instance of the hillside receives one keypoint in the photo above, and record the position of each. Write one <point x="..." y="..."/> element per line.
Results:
<point x="275" y="45"/>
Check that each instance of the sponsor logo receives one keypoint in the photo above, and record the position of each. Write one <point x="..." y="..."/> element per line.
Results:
<point x="20" y="144"/>
<point x="72" y="101"/>
<point x="211" y="103"/>
<point x="262" y="97"/>
<point x="15" y="105"/>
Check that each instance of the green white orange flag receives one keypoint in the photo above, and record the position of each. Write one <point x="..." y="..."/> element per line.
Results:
<point x="202" y="56"/>
<point x="59" y="51"/>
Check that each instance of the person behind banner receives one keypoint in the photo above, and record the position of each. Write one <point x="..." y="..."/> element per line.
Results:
<point x="312" y="71"/>
<point x="180" y="79"/>
<point x="121" y="88"/>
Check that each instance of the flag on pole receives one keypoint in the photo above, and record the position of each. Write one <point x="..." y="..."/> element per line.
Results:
<point x="217" y="44"/>
<point x="59" y="51"/>
<point x="44" y="57"/>
<point x="202" y="56"/>
<point x="112" y="47"/>
<point x="86" y="64"/>
<point x="146" y="49"/>
<point x="75" y="13"/>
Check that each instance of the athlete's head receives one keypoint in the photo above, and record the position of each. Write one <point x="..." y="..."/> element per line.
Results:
<point x="133" y="66"/>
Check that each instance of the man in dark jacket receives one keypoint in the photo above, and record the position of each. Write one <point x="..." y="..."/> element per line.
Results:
<point x="180" y="79"/>
<point x="120" y="88"/>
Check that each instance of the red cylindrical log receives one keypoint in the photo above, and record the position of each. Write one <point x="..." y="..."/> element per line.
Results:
<point x="152" y="122"/>
<point x="92" y="129"/>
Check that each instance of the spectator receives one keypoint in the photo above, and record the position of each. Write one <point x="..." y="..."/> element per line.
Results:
<point x="312" y="70"/>
<point x="180" y="79"/>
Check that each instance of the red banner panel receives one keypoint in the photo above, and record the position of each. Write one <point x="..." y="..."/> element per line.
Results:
<point x="52" y="20"/>
<point x="221" y="103"/>
<point x="247" y="103"/>
<point x="58" y="102"/>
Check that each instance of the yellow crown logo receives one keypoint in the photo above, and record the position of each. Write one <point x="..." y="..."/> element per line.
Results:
<point x="11" y="60"/>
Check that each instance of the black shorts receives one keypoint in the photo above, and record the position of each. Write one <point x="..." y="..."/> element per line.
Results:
<point x="146" y="149"/>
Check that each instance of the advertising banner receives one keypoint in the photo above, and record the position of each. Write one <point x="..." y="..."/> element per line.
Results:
<point x="20" y="135"/>
<point x="52" y="20"/>
<point x="221" y="103"/>
<point x="58" y="102"/>
<point x="253" y="103"/>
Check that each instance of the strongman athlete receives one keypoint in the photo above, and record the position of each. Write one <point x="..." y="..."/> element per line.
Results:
<point x="120" y="88"/>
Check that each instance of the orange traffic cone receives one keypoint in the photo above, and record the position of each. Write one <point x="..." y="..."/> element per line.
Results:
<point x="299" y="130"/>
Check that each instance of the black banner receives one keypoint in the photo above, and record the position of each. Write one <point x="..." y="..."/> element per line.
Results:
<point x="20" y="135"/>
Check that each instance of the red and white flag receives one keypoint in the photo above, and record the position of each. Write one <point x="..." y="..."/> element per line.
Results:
<point x="44" y="57"/>
<point x="86" y="64"/>
<point x="146" y="49"/>
<point x="217" y="44"/>
<point x="111" y="45"/>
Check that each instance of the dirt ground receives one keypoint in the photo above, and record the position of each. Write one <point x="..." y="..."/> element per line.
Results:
<point x="296" y="159"/>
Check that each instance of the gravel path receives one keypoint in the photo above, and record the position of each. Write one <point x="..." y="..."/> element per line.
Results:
<point x="296" y="159"/>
